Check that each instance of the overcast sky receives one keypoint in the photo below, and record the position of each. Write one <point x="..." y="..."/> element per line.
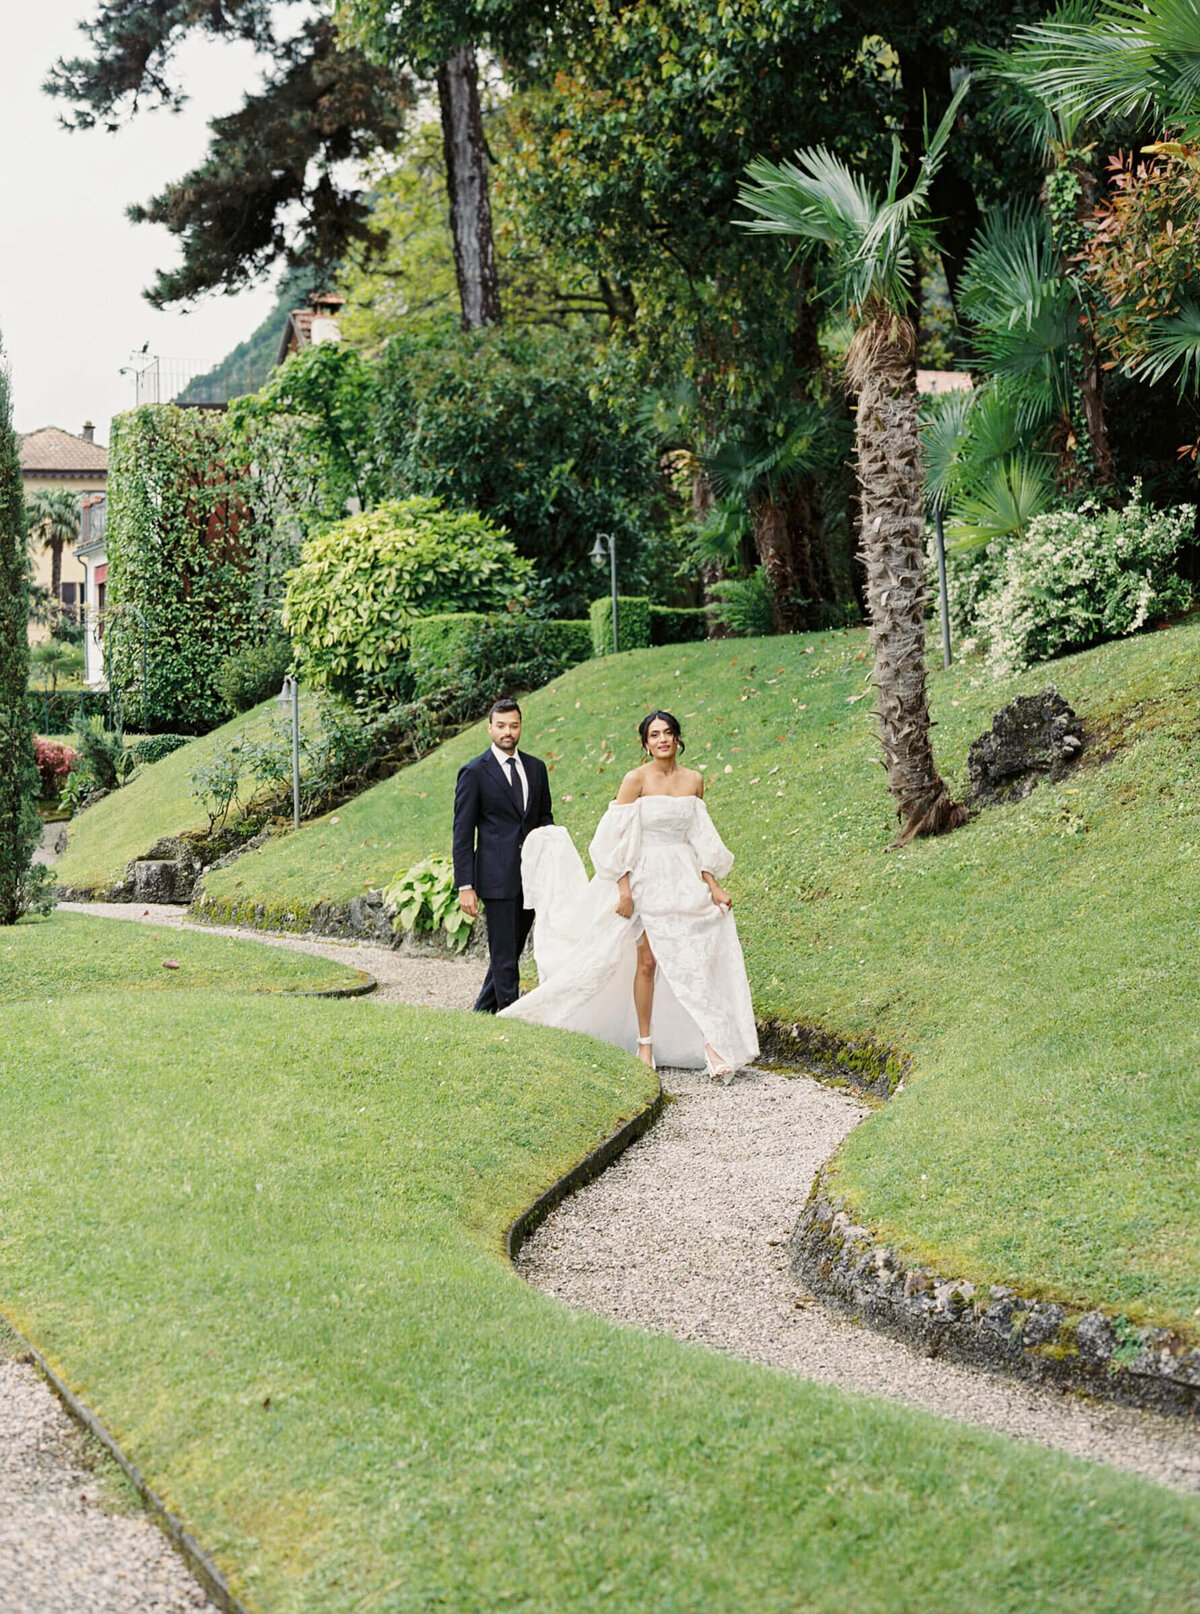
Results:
<point x="72" y="266"/>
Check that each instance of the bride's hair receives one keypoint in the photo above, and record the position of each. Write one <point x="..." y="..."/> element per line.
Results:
<point x="671" y="722"/>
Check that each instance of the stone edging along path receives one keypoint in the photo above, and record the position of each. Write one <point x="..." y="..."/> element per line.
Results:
<point x="193" y="1554"/>
<point x="990" y="1325"/>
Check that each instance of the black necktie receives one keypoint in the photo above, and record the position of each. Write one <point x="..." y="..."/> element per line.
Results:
<point x="511" y="764"/>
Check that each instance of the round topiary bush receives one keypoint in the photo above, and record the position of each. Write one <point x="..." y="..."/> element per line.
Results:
<point x="359" y="585"/>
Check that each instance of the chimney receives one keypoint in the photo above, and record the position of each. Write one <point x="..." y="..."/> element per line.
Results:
<point x="89" y="432"/>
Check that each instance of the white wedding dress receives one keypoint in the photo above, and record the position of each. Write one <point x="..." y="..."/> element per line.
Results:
<point x="586" y="954"/>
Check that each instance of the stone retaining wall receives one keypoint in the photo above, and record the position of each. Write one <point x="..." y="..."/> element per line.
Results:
<point x="361" y="919"/>
<point x="989" y="1325"/>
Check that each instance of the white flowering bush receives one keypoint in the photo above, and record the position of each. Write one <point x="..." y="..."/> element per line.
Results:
<point x="1076" y="577"/>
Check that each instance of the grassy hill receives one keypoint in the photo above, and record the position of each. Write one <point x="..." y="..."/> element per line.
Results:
<point x="264" y="1241"/>
<point x="1038" y="964"/>
<point x="159" y="801"/>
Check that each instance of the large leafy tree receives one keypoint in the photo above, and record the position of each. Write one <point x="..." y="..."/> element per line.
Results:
<point x="871" y="243"/>
<point x="19" y="822"/>
<point x="630" y="165"/>
<point x="440" y="39"/>
<point x="274" y="183"/>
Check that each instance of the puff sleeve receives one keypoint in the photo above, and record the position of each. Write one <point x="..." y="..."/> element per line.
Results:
<point x="713" y="856"/>
<point x="616" y="844"/>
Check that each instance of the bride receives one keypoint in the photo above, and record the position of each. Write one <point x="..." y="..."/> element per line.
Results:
<point x="660" y="967"/>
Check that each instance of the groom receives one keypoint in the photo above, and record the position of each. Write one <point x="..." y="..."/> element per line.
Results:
<point x="499" y="798"/>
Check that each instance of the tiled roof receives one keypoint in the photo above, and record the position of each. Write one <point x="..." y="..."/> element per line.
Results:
<point x="51" y="450"/>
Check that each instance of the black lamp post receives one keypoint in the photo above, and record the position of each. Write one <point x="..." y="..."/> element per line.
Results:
<point x="606" y="547"/>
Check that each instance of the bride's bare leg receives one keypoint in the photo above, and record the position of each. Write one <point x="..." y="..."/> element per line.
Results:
<point x="643" y="995"/>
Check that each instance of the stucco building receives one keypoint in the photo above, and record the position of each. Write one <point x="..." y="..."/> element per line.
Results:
<point x="54" y="460"/>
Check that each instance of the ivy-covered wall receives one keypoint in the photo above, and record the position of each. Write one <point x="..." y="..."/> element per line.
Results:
<point x="181" y="552"/>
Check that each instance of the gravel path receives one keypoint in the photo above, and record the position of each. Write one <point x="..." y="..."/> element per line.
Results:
<point x="62" y="1551"/>
<point x="429" y="979"/>
<point x="686" y="1234"/>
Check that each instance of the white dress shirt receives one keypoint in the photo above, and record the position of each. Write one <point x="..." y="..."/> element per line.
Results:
<point x="502" y="758"/>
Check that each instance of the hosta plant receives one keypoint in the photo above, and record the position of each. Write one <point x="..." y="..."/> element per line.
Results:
<point x="425" y="901"/>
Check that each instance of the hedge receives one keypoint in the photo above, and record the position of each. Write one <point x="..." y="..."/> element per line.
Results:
<point x="633" y="624"/>
<point x="567" y="639"/>
<point x="441" y="645"/>
<point x="673" y="624"/>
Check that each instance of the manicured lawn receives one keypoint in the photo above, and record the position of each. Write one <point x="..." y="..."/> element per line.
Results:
<point x="1039" y="964"/>
<point x="264" y="1241"/>
<point x="47" y="960"/>
<point x="157" y="802"/>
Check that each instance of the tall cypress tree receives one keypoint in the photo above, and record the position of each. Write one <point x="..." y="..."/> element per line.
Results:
<point x="20" y="880"/>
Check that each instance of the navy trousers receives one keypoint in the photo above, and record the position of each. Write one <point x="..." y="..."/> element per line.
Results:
<point x="508" y="925"/>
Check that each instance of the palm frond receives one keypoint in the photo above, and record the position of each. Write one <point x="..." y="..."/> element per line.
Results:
<point x="1022" y="309"/>
<point x="944" y="426"/>
<point x="1048" y="124"/>
<point x="816" y="197"/>
<point x="899" y="214"/>
<point x="1014" y="491"/>
<point x="1137" y="58"/>
<point x="766" y="455"/>
<point x="719" y="536"/>
<point x="1173" y="343"/>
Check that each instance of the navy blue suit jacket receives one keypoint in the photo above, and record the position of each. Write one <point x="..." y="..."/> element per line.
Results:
<point x="490" y="827"/>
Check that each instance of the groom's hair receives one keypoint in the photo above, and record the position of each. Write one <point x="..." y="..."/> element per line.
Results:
<point x="504" y="705"/>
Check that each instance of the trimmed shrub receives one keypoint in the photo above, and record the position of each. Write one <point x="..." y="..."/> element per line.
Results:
<point x="633" y="624"/>
<point x="352" y="600"/>
<point x="154" y="747"/>
<point x="181" y="544"/>
<point x="461" y="662"/>
<point x="250" y="675"/>
<point x="566" y="641"/>
<point x="437" y="644"/>
<point x="672" y="624"/>
<point x="1076" y="577"/>
<point x="56" y="713"/>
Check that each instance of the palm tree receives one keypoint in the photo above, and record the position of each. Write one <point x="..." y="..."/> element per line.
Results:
<point x="53" y="522"/>
<point x="873" y="244"/>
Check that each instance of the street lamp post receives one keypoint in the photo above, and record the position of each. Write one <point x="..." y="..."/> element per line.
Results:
<point x="606" y="545"/>
<point x="289" y="695"/>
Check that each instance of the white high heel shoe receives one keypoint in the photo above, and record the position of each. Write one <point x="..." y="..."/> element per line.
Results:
<point x="645" y="1042"/>
<point x="719" y="1071"/>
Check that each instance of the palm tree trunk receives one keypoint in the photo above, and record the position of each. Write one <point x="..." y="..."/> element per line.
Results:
<point x="882" y="365"/>
<point x="56" y="549"/>
<point x="467" y="184"/>
<point x="769" y="523"/>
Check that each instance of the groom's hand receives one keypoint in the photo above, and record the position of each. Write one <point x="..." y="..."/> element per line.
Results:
<point x="468" y="902"/>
